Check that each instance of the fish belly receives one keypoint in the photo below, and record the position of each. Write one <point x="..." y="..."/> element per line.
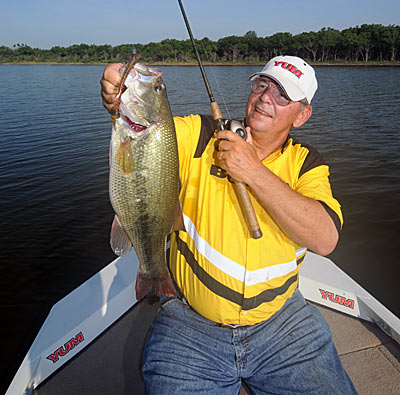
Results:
<point x="144" y="194"/>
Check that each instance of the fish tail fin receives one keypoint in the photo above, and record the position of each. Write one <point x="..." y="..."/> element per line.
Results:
<point x="161" y="286"/>
<point x="164" y="287"/>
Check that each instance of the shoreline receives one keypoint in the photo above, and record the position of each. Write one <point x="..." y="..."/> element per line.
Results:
<point x="163" y="64"/>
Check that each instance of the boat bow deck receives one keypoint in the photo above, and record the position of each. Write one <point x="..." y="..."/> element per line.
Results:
<point x="111" y="364"/>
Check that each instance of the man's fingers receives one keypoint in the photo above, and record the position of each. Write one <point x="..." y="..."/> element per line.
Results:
<point x="108" y="91"/>
<point x="224" y="145"/>
<point x="109" y="106"/>
<point x="112" y="74"/>
<point x="218" y="158"/>
<point x="110" y="84"/>
<point x="227" y="135"/>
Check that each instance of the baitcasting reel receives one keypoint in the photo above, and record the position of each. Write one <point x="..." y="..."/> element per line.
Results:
<point x="236" y="127"/>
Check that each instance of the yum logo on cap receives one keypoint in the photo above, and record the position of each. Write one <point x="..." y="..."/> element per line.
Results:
<point x="289" y="67"/>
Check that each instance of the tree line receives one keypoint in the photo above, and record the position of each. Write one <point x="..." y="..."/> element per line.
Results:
<point x="365" y="43"/>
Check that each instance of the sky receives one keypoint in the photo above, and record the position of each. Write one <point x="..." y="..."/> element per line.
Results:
<point x="47" y="23"/>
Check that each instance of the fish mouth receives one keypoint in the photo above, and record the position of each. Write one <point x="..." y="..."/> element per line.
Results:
<point x="137" y="111"/>
<point x="136" y="127"/>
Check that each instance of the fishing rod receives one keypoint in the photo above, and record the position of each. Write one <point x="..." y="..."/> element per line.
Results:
<point x="239" y="187"/>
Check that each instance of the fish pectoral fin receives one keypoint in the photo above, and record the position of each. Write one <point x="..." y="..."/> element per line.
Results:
<point x="120" y="242"/>
<point x="125" y="159"/>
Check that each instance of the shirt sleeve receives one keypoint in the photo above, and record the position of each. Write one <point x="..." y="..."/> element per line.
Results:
<point x="314" y="182"/>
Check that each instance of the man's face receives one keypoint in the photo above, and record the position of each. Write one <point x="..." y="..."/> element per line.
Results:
<point x="265" y="112"/>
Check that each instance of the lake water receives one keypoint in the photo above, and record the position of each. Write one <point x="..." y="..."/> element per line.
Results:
<point x="54" y="207"/>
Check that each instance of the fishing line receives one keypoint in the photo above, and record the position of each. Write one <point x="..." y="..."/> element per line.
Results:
<point x="216" y="79"/>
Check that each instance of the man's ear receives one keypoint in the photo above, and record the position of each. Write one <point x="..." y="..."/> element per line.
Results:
<point x="303" y="116"/>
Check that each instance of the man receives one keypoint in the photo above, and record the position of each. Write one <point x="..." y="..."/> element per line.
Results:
<point x="240" y="315"/>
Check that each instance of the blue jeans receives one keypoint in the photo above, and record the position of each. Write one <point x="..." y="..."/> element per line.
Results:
<point x="290" y="353"/>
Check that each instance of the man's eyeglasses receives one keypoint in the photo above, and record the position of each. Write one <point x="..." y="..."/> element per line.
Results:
<point x="260" y="86"/>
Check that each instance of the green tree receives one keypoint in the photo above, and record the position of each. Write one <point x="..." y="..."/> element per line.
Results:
<point x="166" y="51"/>
<point x="280" y="43"/>
<point x="310" y="42"/>
<point x="351" y="44"/>
<point x="207" y="49"/>
<point x="328" y="41"/>
<point x="391" y="36"/>
<point x="366" y="42"/>
<point x="256" y="47"/>
<point x="6" y="54"/>
<point x="229" y="48"/>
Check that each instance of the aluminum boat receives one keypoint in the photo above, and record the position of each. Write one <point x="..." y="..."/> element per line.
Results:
<point x="92" y="340"/>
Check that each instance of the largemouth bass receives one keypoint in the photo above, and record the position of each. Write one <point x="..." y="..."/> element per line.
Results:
<point x="144" y="177"/>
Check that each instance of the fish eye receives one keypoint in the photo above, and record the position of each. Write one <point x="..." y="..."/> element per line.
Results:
<point x="158" y="87"/>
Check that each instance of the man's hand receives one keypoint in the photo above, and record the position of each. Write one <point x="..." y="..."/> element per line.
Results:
<point x="110" y="84"/>
<point x="237" y="156"/>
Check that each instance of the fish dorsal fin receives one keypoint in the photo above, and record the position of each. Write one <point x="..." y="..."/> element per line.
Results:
<point x="119" y="240"/>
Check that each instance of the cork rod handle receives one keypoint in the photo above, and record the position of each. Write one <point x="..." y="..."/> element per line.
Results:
<point x="248" y="209"/>
<point x="240" y="188"/>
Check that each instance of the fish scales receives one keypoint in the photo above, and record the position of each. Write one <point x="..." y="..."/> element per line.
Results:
<point x="144" y="177"/>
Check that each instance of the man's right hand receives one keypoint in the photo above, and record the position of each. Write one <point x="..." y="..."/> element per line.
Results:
<point x="109" y="85"/>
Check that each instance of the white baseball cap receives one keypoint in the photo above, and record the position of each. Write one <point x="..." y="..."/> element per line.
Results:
<point x="293" y="74"/>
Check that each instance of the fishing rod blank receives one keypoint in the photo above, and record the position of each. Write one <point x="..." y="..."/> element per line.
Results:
<point x="239" y="187"/>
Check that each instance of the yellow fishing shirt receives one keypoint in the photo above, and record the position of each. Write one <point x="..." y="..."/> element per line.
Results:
<point x="224" y="274"/>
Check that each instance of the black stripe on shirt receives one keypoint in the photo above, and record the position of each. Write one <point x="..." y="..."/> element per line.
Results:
<point x="313" y="159"/>
<point x="206" y="132"/>
<point x="300" y="260"/>
<point x="333" y="215"/>
<point x="227" y="293"/>
<point x="268" y="295"/>
<point x="210" y="282"/>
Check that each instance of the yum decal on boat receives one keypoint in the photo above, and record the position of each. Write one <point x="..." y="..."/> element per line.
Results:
<point x="66" y="348"/>
<point x="337" y="299"/>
